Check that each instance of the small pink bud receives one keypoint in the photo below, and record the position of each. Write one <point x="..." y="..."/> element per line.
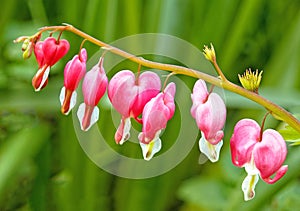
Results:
<point x="129" y="95"/>
<point x="93" y="87"/>
<point x="73" y="73"/>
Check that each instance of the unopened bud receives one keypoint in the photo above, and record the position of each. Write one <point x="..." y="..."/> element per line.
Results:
<point x="21" y="39"/>
<point x="28" y="50"/>
<point x="25" y="44"/>
<point x="209" y="53"/>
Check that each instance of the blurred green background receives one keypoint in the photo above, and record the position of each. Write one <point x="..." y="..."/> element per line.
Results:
<point x="42" y="166"/>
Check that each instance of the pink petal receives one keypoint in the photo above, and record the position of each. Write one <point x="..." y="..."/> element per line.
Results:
<point x="210" y="118"/>
<point x="199" y="95"/>
<point x="269" y="155"/>
<point x="156" y="114"/>
<point x="129" y="95"/>
<point x="246" y="134"/>
<point x="94" y="84"/>
<point x="122" y="91"/>
<point x="148" y="86"/>
<point x="54" y="50"/>
<point x="74" y="71"/>
<point x="155" y="117"/>
<point x="169" y="94"/>
<point x="39" y="54"/>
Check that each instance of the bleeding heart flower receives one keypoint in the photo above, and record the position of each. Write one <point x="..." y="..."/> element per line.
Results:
<point x="73" y="73"/>
<point x="261" y="153"/>
<point x="157" y="112"/>
<point x="47" y="53"/>
<point x="129" y="95"/>
<point x="209" y="111"/>
<point x="93" y="87"/>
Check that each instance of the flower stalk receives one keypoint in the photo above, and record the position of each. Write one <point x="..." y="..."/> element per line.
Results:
<point x="220" y="81"/>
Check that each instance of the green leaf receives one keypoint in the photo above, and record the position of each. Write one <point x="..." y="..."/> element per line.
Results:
<point x="290" y="135"/>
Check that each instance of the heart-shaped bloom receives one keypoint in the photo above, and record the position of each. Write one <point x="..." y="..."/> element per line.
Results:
<point x="128" y="95"/>
<point x="209" y="111"/>
<point x="93" y="87"/>
<point x="261" y="153"/>
<point x="47" y="53"/>
<point x="73" y="73"/>
<point x="157" y="112"/>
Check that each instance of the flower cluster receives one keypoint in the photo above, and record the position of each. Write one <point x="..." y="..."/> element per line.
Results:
<point x="141" y="98"/>
<point x="131" y="95"/>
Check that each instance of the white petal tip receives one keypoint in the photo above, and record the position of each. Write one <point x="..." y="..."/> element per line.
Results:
<point x="44" y="78"/>
<point x="87" y="116"/>
<point x="62" y="95"/>
<point x="248" y="186"/>
<point x="212" y="152"/>
<point x="149" y="150"/>
<point x="72" y="102"/>
<point x="126" y="131"/>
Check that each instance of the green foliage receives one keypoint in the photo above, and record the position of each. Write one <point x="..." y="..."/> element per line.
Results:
<point x="43" y="167"/>
<point x="290" y="135"/>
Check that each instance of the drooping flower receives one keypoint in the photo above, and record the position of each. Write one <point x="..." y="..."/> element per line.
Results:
<point x="209" y="111"/>
<point x="47" y="53"/>
<point x="261" y="153"/>
<point x="73" y="73"/>
<point x="93" y="87"/>
<point x="157" y="112"/>
<point x="129" y="95"/>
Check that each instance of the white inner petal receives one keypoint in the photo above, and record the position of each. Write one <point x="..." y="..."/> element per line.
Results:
<point x="212" y="152"/>
<point x="248" y="186"/>
<point x="250" y="168"/>
<point x="73" y="100"/>
<point x="45" y="76"/>
<point x="80" y="114"/>
<point x="62" y="95"/>
<point x="149" y="150"/>
<point x="126" y="131"/>
<point x="94" y="117"/>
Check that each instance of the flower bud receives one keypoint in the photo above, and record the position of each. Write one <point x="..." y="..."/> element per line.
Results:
<point x="251" y="80"/>
<point x="93" y="88"/>
<point x="27" y="47"/>
<point x="209" y="53"/>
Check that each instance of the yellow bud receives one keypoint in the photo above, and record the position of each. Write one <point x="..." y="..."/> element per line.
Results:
<point x="25" y="44"/>
<point x="209" y="53"/>
<point x="251" y="80"/>
<point x="28" y="51"/>
<point x="21" y="39"/>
